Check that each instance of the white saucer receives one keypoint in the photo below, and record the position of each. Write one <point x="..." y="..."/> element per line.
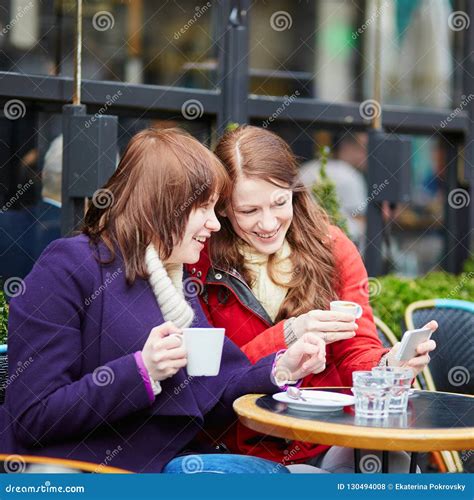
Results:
<point x="318" y="401"/>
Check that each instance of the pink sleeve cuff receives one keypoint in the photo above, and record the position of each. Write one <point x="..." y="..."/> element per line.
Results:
<point x="144" y="373"/>
<point x="274" y="370"/>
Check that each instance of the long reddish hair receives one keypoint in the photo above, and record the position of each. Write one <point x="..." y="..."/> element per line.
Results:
<point x="162" y="176"/>
<point x="258" y="153"/>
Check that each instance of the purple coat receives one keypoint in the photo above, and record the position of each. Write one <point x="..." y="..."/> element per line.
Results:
<point x="74" y="389"/>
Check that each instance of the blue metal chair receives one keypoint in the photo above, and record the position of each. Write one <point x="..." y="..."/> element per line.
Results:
<point x="443" y="459"/>
<point x="452" y="363"/>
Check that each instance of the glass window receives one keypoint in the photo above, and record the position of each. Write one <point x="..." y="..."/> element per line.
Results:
<point x="30" y="180"/>
<point x="325" y="49"/>
<point x="139" y="41"/>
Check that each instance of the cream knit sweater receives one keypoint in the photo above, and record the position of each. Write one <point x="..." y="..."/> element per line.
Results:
<point x="268" y="293"/>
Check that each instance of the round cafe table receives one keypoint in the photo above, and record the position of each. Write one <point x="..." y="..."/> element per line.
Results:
<point x="22" y="463"/>
<point x="434" y="421"/>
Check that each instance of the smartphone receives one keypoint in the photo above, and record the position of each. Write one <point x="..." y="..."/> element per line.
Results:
<point x="410" y="341"/>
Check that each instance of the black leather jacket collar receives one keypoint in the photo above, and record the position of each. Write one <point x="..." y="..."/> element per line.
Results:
<point x="234" y="282"/>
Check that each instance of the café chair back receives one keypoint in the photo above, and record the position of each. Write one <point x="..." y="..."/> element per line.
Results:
<point x="443" y="460"/>
<point x="452" y="363"/>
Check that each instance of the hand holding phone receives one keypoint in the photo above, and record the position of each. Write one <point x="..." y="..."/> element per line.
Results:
<point x="410" y="341"/>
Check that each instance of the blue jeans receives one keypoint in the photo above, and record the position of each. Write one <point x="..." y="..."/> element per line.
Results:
<point x="223" y="464"/>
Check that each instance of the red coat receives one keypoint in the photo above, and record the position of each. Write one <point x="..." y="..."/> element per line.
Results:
<point x="229" y="303"/>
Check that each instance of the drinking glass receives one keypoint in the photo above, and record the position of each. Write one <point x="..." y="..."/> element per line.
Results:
<point x="402" y="378"/>
<point x="372" y="393"/>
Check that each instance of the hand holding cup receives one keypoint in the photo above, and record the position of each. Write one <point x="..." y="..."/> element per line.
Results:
<point x="337" y="324"/>
<point x="164" y="353"/>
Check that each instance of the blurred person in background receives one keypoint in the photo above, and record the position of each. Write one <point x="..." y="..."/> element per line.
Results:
<point x="347" y="169"/>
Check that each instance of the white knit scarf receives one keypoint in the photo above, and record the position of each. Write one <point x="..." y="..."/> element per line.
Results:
<point x="167" y="285"/>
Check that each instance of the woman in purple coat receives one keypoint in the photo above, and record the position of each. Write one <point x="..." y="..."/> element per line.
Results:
<point x="94" y="327"/>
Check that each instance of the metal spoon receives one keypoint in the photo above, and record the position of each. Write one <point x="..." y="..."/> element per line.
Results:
<point x="295" y="393"/>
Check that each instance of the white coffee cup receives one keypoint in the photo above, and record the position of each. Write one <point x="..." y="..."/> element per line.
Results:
<point x="204" y="349"/>
<point x="346" y="307"/>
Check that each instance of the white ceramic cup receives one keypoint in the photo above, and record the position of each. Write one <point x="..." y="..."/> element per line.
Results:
<point x="204" y="349"/>
<point x="346" y="307"/>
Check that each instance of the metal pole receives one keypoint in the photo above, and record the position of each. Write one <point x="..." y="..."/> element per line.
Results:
<point x="375" y="224"/>
<point x="76" y="96"/>
<point x="72" y="209"/>
<point x="235" y="79"/>
<point x="377" y="118"/>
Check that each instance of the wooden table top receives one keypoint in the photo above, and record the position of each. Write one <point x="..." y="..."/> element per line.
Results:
<point x="435" y="421"/>
<point x="19" y="463"/>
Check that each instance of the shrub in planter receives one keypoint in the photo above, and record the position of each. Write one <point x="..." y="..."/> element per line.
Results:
<point x="394" y="294"/>
<point x="325" y="193"/>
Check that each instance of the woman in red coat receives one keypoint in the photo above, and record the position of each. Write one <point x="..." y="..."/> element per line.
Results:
<point x="276" y="265"/>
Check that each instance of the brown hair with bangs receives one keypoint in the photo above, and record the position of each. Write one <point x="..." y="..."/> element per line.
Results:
<point x="258" y="153"/>
<point x="162" y="176"/>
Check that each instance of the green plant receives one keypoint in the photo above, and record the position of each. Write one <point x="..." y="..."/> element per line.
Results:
<point x="469" y="265"/>
<point x="325" y="192"/>
<point x="3" y="319"/>
<point x="231" y="126"/>
<point x="394" y="294"/>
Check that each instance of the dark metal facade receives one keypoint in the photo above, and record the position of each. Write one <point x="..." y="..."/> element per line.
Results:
<point x="233" y="103"/>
